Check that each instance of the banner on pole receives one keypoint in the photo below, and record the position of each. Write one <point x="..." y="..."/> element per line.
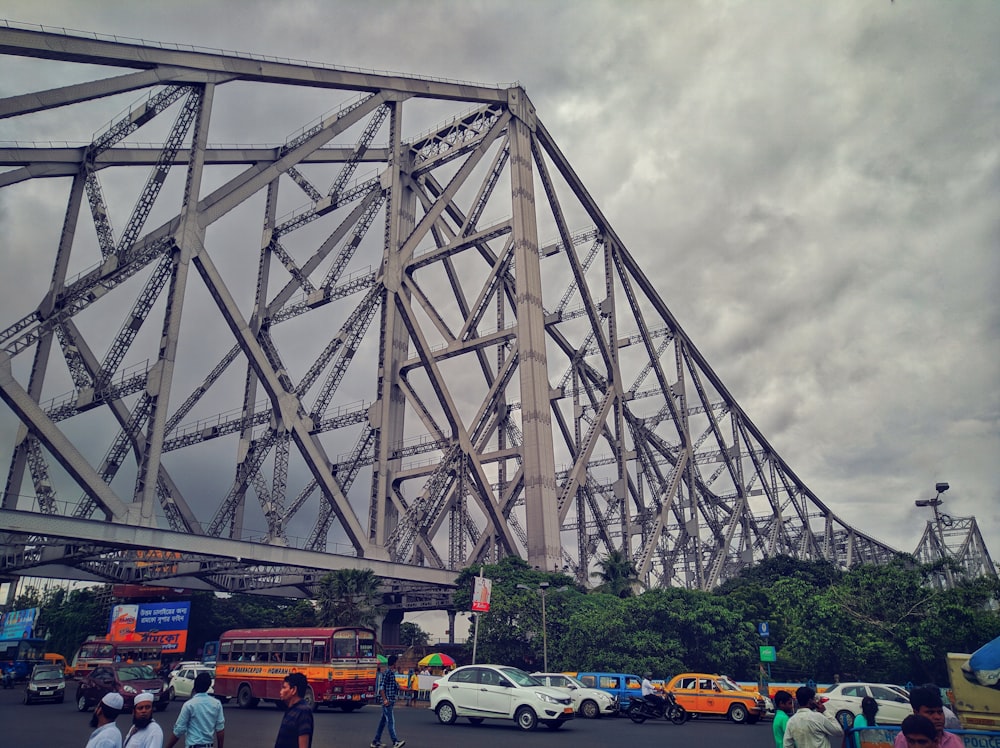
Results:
<point x="481" y="595"/>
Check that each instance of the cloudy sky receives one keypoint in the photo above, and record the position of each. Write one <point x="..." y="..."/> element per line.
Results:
<point x="814" y="186"/>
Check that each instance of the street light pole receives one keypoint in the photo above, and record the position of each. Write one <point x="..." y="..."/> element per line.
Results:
<point x="543" y="588"/>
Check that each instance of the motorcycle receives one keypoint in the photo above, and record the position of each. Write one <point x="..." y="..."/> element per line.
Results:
<point x="7" y="676"/>
<point x="644" y="707"/>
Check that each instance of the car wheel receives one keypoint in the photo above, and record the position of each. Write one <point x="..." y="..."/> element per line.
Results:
<point x="446" y="713"/>
<point x="590" y="710"/>
<point x="81" y="703"/>
<point x="161" y="706"/>
<point x="244" y="698"/>
<point x="476" y="720"/>
<point x="170" y="694"/>
<point x="310" y="699"/>
<point x="27" y="699"/>
<point x="845" y="717"/>
<point x="738" y="713"/>
<point x="526" y="718"/>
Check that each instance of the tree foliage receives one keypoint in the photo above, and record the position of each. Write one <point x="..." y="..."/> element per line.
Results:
<point x="349" y="597"/>
<point x="411" y="635"/>
<point x="880" y="623"/>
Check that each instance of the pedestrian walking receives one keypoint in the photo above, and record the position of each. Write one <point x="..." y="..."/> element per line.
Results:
<point x="201" y="720"/>
<point x="387" y="690"/>
<point x="296" y="728"/>
<point x="144" y="733"/>
<point x="411" y="688"/>
<point x="106" y="733"/>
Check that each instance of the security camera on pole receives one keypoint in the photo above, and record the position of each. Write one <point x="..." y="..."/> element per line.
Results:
<point x="480" y="604"/>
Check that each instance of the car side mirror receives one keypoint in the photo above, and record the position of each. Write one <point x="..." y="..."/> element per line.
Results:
<point x="504" y="683"/>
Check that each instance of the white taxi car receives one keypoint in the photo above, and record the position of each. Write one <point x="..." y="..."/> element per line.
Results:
<point x="588" y="702"/>
<point x="844" y="701"/>
<point x="479" y="692"/>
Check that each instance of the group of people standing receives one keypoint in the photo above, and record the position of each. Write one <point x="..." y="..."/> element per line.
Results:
<point x="810" y="727"/>
<point x="201" y="722"/>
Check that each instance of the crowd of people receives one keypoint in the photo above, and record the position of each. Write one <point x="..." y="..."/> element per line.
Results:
<point x="809" y="726"/>
<point x="202" y="722"/>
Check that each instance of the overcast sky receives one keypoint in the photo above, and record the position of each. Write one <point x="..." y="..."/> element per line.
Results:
<point x="814" y="186"/>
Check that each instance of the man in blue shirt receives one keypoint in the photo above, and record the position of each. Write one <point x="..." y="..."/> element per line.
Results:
<point x="201" y="718"/>
<point x="387" y="689"/>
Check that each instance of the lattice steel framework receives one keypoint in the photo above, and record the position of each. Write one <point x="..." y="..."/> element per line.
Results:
<point x="448" y="360"/>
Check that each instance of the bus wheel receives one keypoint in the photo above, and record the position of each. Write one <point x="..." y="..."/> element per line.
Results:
<point x="244" y="698"/>
<point x="310" y="699"/>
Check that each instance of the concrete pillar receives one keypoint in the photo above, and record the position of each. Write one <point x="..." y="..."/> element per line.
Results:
<point x="390" y="627"/>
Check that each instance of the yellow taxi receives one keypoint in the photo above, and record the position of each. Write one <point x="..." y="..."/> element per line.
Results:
<point x="702" y="693"/>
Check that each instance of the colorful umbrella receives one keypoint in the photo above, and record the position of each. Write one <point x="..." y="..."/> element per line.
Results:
<point x="438" y="659"/>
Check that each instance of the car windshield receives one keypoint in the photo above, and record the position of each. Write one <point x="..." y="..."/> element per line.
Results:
<point x="136" y="672"/>
<point x="727" y="685"/>
<point x="48" y="675"/>
<point x="520" y="677"/>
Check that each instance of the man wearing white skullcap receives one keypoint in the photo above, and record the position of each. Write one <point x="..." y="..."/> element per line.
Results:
<point x="144" y="733"/>
<point x="106" y="712"/>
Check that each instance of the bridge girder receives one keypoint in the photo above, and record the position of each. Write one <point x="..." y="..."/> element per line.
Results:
<point x="526" y="391"/>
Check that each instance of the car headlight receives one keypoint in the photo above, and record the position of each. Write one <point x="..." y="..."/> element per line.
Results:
<point x="129" y="689"/>
<point x="32" y="687"/>
<point x="548" y="699"/>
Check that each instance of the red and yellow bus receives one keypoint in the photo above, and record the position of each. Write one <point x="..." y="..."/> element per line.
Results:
<point x="339" y="663"/>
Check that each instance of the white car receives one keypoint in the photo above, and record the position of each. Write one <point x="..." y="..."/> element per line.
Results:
<point x="844" y="701"/>
<point x="182" y="680"/>
<point x="588" y="702"/>
<point x="479" y="692"/>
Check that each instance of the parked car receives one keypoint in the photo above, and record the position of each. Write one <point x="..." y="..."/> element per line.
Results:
<point x="479" y="692"/>
<point x="46" y="683"/>
<point x="705" y="694"/>
<point x="623" y="686"/>
<point x="181" y="681"/>
<point x="844" y="701"/>
<point x="128" y="679"/>
<point x="587" y="702"/>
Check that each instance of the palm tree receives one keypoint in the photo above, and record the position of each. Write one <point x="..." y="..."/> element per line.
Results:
<point x="617" y="574"/>
<point x="349" y="597"/>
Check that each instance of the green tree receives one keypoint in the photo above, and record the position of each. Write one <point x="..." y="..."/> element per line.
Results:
<point x="410" y="635"/>
<point x="617" y="574"/>
<point x="349" y="597"/>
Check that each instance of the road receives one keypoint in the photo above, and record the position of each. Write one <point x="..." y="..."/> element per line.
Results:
<point x="61" y="726"/>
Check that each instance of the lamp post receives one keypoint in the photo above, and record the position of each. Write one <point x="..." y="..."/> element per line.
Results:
<point x="939" y="521"/>
<point x="543" y="588"/>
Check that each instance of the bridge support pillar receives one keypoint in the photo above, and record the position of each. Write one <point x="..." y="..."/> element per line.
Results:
<point x="451" y="626"/>
<point x="390" y="627"/>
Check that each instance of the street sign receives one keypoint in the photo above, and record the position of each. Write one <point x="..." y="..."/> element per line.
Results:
<point x="481" y="595"/>
<point x="764" y="628"/>
<point x="768" y="654"/>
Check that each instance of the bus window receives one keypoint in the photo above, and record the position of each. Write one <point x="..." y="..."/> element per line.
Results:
<point x="366" y="644"/>
<point x="292" y="650"/>
<point x="225" y="648"/>
<point x="345" y="644"/>
<point x="319" y="651"/>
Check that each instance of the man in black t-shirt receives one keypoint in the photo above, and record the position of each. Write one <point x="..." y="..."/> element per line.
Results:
<point x="296" y="728"/>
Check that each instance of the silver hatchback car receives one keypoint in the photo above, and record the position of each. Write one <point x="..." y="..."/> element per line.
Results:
<point x="479" y="692"/>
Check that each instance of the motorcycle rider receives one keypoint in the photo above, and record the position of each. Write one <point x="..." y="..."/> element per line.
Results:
<point x="649" y="693"/>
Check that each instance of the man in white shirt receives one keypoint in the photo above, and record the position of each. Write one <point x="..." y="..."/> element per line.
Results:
<point x="810" y="726"/>
<point x="107" y="734"/>
<point x="144" y="733"/>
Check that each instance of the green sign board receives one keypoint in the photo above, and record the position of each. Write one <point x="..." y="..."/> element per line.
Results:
<point x="768" y="654"/>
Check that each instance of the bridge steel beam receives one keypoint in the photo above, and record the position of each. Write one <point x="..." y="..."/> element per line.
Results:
<point x="527" y="391"/>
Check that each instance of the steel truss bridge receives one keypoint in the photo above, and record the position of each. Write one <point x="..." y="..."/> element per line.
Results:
<point x="402" y="337"/>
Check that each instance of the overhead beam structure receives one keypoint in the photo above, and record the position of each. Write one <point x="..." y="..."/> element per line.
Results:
<point x="405" y="333"/>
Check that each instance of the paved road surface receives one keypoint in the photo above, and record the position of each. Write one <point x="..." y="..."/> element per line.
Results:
<point x="61" y="726"/>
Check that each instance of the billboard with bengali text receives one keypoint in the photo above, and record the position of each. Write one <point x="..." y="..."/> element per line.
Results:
<point x="165" y="623"/>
